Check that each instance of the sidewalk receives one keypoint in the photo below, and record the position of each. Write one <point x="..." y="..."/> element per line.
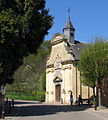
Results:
<point x="101" y="109"/>
<point x="16" y="110"/>
<point x="102" y="113"/>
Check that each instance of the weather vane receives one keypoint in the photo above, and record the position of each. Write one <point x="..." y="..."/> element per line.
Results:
<point x="69" y="10"/>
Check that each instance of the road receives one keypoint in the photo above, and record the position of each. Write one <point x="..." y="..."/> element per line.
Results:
<point x="42" y="111"/>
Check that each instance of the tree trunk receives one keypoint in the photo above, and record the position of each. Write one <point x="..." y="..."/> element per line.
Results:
<point x="96" y="98"/>
<point x="94" y="92"/>
<point x="99" y="96"/>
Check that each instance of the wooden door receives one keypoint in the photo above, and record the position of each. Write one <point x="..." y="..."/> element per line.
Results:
<point x="58" y="93"/>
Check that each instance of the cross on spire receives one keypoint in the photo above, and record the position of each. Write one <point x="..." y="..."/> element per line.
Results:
<point x="69" y="10"/>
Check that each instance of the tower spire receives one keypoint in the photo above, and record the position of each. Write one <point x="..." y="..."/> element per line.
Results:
<point x="69" y="30"/>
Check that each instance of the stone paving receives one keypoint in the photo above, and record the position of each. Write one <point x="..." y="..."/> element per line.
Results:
<point x="30" y="110"/>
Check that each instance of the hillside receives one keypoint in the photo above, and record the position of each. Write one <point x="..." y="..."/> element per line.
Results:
<point x="30" y="77"/>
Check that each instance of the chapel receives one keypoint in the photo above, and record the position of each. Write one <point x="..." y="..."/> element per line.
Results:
<point x="62" y="74"/>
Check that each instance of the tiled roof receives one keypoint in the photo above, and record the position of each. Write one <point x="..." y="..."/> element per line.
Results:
<point x="78" y="47"/>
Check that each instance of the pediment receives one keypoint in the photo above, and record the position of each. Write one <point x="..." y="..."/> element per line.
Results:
<point x="59" y="51"/>
<point x="57" y="79"/>
<point x="58" y="38"/>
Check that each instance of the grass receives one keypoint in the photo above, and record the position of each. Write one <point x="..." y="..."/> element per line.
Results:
<point x="38" y="96"/>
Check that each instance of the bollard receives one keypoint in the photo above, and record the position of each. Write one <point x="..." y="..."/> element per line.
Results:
<point x="12" y="103"/>
<point x="7" y="100"/>
<point x="0" y="111"/>
<point x="9" y="107"/>
<point x="3" y="112"/>
<point x="61" y="100"/>
<point x="95" y="106"/>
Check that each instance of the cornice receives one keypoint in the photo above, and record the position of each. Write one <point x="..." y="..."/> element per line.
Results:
<point x="63" y="63"/>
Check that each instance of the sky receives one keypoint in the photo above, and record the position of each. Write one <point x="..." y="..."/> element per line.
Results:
<point x="89" y="18"/>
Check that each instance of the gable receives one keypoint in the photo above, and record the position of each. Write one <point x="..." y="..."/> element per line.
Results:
<point x="59" y="49"/>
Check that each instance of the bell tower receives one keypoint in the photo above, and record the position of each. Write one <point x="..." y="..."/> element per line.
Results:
<point x="69" y="31"/>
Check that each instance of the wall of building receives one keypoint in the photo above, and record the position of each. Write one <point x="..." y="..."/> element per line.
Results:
<point x="67" y="72"/>
<point x="70" y="82"/>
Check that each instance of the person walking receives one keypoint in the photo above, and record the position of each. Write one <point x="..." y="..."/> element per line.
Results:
<point x="71" y="99"/>
<point x="79" y="100"/>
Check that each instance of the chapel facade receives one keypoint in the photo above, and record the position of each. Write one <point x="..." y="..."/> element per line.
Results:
<point x="62" y="74"/>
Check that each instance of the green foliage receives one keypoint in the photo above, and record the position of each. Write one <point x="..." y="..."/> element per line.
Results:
<point x="44" y="81"/>
<point x="93" y="62"/>
<point x="31" y="75"/>
<point x="23" y="26"/>
<point x="38" y="96"/>
<point x="0" y="68"/>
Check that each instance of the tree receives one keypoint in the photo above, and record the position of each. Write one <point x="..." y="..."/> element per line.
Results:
<point x="23" y="26"/>
<point x="93" y="64"/>
<point x="31" y="74"/>
<point x="86" y="67"/>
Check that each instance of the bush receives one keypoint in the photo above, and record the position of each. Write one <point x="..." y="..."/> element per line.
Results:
<point x="33" y="95"/>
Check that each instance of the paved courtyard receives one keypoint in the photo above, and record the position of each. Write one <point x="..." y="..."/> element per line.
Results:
<point x="26" y="110"/>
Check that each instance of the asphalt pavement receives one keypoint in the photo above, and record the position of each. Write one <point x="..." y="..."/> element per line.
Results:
<point x="31" y="110"/>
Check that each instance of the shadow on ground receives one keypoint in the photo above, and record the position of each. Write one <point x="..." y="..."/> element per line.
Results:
<point x="37" y="109"/>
